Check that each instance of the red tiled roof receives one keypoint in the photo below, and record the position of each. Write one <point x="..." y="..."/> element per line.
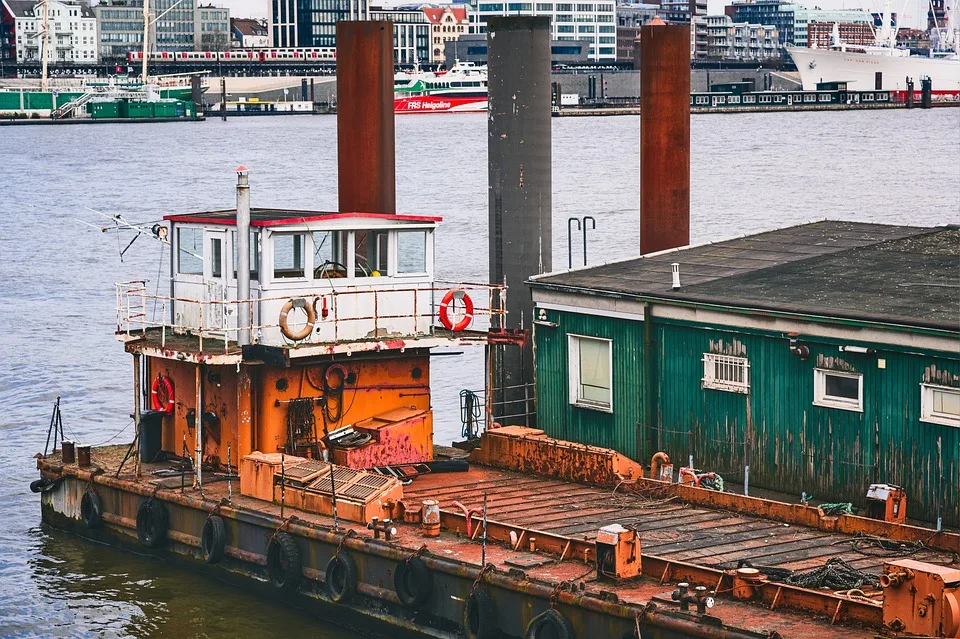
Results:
<point x="434" y="14"/>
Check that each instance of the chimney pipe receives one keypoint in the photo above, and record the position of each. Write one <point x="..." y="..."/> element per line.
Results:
<point x="366" y="173"/>
<point x="664" y="136"/>
<point x="243" y="256"/>
<point x="675" y="268"/>
<point x="520" y="185"/>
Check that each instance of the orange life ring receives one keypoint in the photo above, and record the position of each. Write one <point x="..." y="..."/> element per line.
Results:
<point x="155" y="400"/>
<point x="304" y="332"/>
<point x="445" y="310"/>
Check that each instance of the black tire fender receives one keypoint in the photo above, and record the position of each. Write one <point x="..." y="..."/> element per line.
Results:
<point x="43" y="485"/>
<point x="91" y="510"/>
<point x="413" y="582"/>
<point x="283" y="563"/>
<point x="550" y="623"/>
<point x="213" y="539"/>
<point x="479" y="616"/>
<point x="341" y="579"/>
<point x="152" y="523"/>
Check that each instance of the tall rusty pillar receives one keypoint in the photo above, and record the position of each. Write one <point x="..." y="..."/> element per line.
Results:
<point x="366" y="175"/>
<point x="664" y="137"/>
<point x="520" y="189"/>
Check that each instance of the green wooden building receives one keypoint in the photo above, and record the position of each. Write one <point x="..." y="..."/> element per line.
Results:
<point x="824" y="356"/>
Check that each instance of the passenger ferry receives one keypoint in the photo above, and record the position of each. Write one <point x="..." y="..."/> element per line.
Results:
<point x="461" y="89"/>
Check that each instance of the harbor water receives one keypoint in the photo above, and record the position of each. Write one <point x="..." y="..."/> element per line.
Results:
<point x="751" y="172"/>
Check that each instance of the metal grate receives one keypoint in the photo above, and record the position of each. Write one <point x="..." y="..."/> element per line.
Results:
<point x="306" y="470"/>
<point x="365" y="486"/>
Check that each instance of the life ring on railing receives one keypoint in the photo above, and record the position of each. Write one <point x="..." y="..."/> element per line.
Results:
<point x="304" y="332"/>
<point x="445" y="310"/>
<point x="156" y="401"/>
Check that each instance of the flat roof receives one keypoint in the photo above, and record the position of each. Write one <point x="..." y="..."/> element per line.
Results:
<point x="872" y="272"/>
<point x="282" y="217"/>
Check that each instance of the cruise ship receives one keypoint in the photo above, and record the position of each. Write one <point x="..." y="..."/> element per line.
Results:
<point x="882" y="66"/>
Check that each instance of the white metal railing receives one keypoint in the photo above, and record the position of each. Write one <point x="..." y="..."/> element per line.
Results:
<point x="220" y="319"/>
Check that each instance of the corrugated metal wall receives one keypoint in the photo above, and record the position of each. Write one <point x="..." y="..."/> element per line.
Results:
<point x="561" y="419"/>
<point x="794" y="446"/>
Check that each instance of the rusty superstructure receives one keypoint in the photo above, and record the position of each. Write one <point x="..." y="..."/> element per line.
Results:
<point x="293" y="349"/>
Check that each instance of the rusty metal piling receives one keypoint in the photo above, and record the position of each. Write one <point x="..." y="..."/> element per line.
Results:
<point x="520" y="181"/>
<point x="365" y="128"/>
<point x="664" y="137"/>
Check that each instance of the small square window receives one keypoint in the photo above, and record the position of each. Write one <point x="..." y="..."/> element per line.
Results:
<point x="254" y="254"/>
<point x="940" y="404"/>
<point x="190" y="251"/>
<point x="371" y="253"/>
<point x="412" y="252"/>
<point x="288" y="255"/>
<point x="591" y="372"/>
<point x="835" y="389"/>
<point x="726" y="373"/>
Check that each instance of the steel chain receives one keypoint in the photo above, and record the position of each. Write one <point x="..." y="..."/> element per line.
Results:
<point x="343" y="540"/>
<point x="480" y="575"/>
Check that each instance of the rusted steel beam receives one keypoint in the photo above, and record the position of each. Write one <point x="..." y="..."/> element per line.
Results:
<point x="664" y="137"/>
<point x="366" y="175"/>
<point x="822" y="603"/>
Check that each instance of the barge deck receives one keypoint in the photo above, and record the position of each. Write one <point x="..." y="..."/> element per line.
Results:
<point x="680" y="542"/>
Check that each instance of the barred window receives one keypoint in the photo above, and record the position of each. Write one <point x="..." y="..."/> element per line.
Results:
<point x="726" y="373"/>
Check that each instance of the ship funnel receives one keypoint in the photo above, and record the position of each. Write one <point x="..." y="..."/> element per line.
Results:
<point x="365" y="129"/>
<point x="664" y="137"/>
<point x="520" y="187"/>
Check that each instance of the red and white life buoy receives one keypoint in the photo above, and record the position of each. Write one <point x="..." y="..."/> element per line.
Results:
<point x="155" y="400"/>
<point x="456" y="293"/>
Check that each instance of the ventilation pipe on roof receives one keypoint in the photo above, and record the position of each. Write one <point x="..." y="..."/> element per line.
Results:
<point x="243" y="256"/>
<point x="675" y="267"/>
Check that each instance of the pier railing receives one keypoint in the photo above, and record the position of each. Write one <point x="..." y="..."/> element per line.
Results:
<point x="406" y="312"/>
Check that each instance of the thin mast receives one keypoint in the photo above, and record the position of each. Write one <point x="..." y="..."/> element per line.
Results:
<point x="146" y="39"/>
<point x="46" y="47"/>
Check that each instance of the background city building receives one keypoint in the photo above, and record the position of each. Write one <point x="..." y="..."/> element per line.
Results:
<point x="820" y="34"/>
<point x="73" y="32"/>
<point x="175" y="26"/>
<point x="249" y="33"/>
<point x="593" y="22"/>
<point x="312" y="23"/>
<point x="411" y="33"/>
<point x="728" y="40"/>
<point x="473" y="48"/>
<point x="630" y="17"/>
<point x="791" y="20"/>
<point x="446" y="23"/>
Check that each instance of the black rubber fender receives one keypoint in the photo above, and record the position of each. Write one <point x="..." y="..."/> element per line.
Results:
<point x="550" y="624"/>
<point x="91" y="510"/>
<point x="480" y="616"/>
<point x="43" y="485"/>
<point x="213" y="539"/>
<point x="152" y="523"/>
<point x="413" y="582"/>
<point x="341" y="580"/>
<point x="283" y="563"/>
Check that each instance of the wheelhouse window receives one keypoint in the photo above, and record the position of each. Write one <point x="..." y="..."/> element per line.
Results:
<point x="591" y="372"/>
<point x="288" y="257"/>
<point x="329" y="254"/>
<point x="835" y="389"/>
<point x="190" y="251"/>
<point x="254" y="254"/>
<point x="940" y="404"/>
<point x="726" y="373"/>
<point x="412" y="252"/>
<point x="216" y="257"/>
<point x="371" y="253"/>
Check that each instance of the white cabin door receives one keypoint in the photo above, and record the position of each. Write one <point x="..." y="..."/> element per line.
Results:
<point x="215" y="276"/>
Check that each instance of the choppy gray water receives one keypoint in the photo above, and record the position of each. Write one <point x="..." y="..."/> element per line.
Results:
<point x="751" y="172"/>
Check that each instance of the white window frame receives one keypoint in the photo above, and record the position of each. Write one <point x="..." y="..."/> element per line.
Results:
<point x="927" y="414"/>
<point x="820" y="397"/>
<point x="573" y="357"/>
<point x="710" y="360"/>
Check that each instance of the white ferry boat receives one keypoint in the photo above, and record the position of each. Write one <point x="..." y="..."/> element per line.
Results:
<point x="461" y="89"/>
